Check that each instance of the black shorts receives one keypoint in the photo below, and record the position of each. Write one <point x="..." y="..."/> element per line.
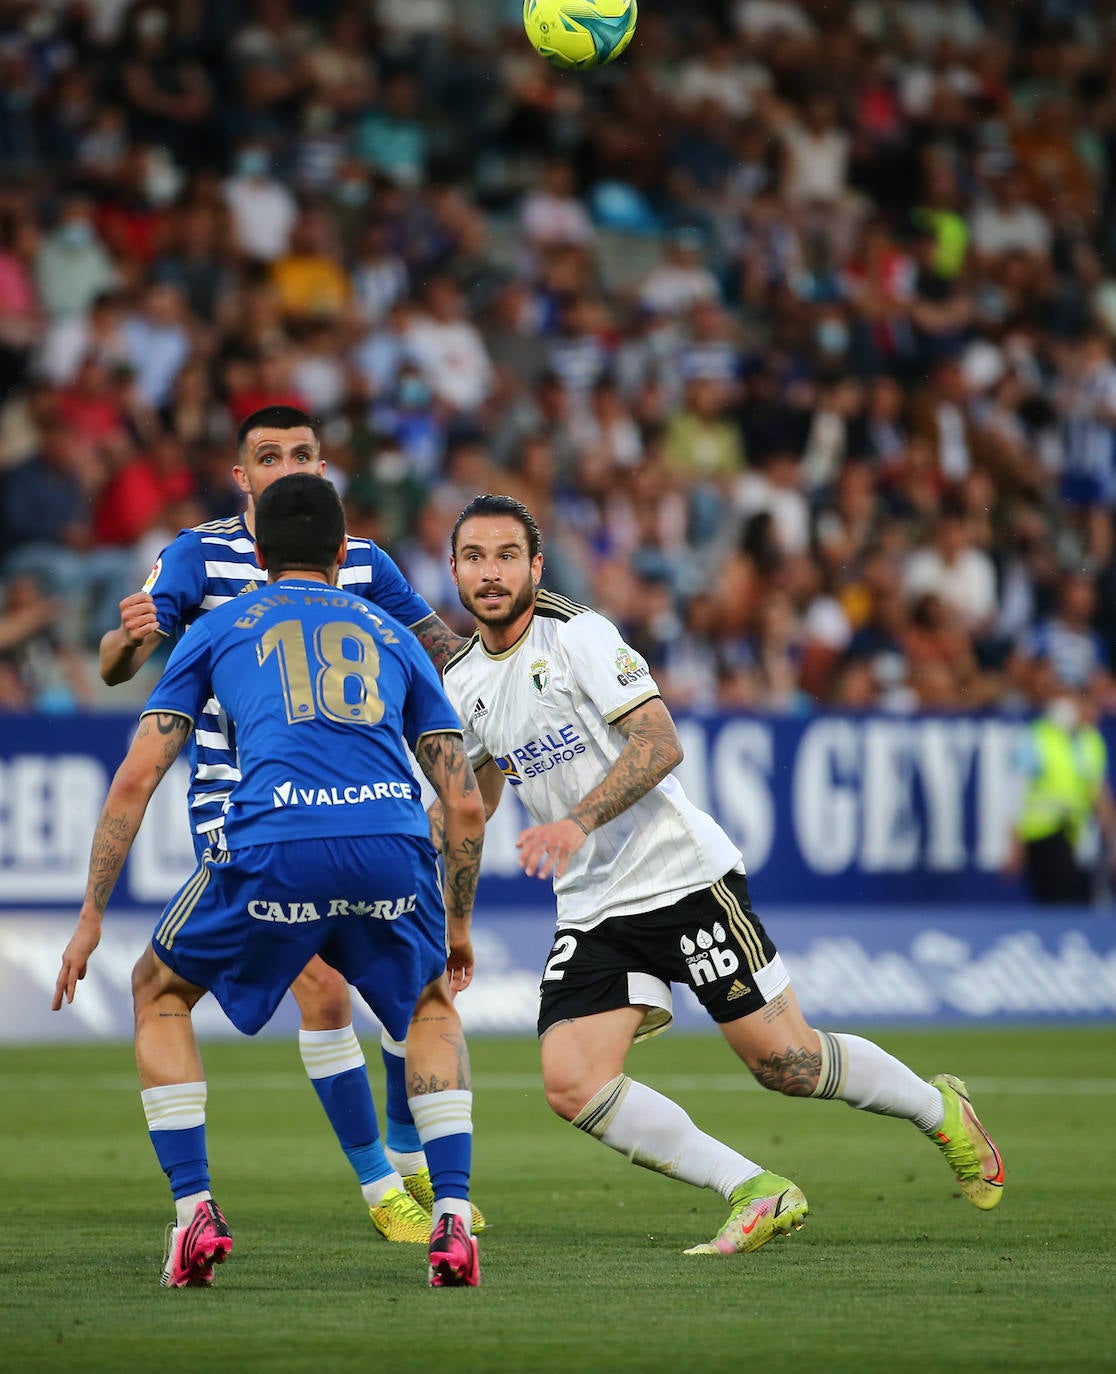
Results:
<point x="711" y="940"/>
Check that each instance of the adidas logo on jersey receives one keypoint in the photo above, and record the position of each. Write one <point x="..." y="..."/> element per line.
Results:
<point x="479" y="709"/>
<point x="705" y="958"/>
<point x="738" y="989"/>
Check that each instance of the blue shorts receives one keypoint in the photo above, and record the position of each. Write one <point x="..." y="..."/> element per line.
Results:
<point x="246" y="924"/>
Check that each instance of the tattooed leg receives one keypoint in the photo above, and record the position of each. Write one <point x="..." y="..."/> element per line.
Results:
<point x="440" y="1097"/>
<point x="788" y="1056"/>
<point x="166" y="1050"/>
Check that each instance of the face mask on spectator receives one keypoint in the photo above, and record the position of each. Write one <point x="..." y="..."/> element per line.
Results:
<point x="413" y="391"/>
<point x="252" y="162"/>
<point x="352" y="192"/>
<point x="832" y="336"/>
<point x="77" y="234"/>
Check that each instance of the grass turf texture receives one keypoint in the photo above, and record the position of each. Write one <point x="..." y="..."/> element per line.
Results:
<point x="582" y="1267"/>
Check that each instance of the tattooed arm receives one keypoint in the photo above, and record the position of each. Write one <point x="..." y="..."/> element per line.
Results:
<point x="157" y="744"/>
<point x="491" y="783"/>
<point x="438" y="640"/>
<point x="443" y="759"/>
<point x="651" y="750"/>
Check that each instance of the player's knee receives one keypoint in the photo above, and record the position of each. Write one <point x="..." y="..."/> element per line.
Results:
<point x="794" y="1072"/>
<point x="323" y="997"/>
<point x="143" y="981"/>
<point x="436" y="1000"/>
<point x="563" y="1101"/>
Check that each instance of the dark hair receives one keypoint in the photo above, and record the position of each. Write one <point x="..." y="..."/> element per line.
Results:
<point x="275" y="417"/>
<point x="500" y="505"/>
<point x="299" y="524"/>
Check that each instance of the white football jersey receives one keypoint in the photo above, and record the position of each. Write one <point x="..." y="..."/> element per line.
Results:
<point x="544" y="710"/>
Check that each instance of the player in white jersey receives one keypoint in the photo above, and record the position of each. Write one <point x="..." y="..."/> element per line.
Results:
<point x="204" y="568"/>
<point x="650" y="891"/>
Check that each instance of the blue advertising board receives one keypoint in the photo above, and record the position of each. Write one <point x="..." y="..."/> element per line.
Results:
<point x="876" y="811"/>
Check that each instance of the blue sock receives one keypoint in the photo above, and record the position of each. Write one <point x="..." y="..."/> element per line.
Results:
<point x="176" y="1122"/>
<point x="445" y="1125"/>
<point x="402" y="1134"/>
<point x="335" y="1063"/>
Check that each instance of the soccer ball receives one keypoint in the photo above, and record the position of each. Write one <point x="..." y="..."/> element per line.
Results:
<point x="577" y="35"/>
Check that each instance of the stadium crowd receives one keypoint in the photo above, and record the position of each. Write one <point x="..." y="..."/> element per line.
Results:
<point x="794" y="327"/>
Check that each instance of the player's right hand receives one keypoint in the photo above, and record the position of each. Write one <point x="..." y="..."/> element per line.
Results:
<point x="75" y="959"/>
<point x="459" y="965"/>
<point x="138" y="618"/>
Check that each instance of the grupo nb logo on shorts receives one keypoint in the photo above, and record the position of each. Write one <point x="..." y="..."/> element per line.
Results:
<point x="705" y="956"/>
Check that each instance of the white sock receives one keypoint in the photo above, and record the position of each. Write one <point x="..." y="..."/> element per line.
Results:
<point x="454" y="1206"/>
<point x="185" y="1207"/>
<point x="655" y="1133"/>
<point x="858" y="1072"/>
<point x="327" y="1053"/>
<point x="373" y="1193"/>
<point x="407" y="1162"/>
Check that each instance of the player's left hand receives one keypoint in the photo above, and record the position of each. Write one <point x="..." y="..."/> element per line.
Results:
<point x="75" y="959"/>
<point x="545" y="850"/>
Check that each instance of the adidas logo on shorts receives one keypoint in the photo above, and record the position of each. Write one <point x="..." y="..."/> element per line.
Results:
<point x="738" y="989"/>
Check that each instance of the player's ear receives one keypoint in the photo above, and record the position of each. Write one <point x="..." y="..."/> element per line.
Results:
<point x="241" y="478"/>
<point x="260" y="557"/>
<point x="343" y="551"/>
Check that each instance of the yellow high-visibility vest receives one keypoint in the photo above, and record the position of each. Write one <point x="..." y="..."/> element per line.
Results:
<point x="1063" y="793"/>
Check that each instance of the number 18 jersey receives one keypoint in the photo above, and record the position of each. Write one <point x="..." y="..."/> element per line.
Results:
<point x="545" y="711"/>
<point x="321" y="689"/>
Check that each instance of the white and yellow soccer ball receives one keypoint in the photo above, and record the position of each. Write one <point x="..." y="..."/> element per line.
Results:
<point x="578" y="35"/>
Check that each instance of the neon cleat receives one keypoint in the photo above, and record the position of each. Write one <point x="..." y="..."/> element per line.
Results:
<point x="762" y="1208"/>
<point x="400" y="1218"/>
<point x="969" y="1151"/>
<point x="454" y="1262"/>
<point x="192" y="1251"/>
<point x="421" y="1188"/>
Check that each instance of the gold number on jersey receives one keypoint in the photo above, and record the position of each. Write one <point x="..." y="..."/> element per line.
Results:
<point x="305" y="697"/>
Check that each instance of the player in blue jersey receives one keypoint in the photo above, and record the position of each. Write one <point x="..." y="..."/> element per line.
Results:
<point x="327" y="854"/>
<point x="201" y="569"/>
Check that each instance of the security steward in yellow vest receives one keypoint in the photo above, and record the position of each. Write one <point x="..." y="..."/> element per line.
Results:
<point x="1067" y="762"/>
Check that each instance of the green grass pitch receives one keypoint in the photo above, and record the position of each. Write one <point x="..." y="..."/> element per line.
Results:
<point x="582" y="1266"/>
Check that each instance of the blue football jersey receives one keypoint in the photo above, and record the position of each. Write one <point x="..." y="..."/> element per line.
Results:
<point x="211" y="564"/>
<point x="321" y="688"/>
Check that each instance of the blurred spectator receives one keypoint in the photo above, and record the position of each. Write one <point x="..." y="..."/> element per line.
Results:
<point x="37" y="670"/>
<point x="379" y="275"/>
<point x="167" y="96"/>
<point x="449" y="348"/>
<point x="681" y="279"/>
<point x="47" y="533"/>
<point x="311" y="282"/>
<point x="21" y="322"/>
<point x="262" y="209"/>
<point x="551" y="213"/>
<point x="1007" y="221"/>
<point x="391" y="138"/>
<point x="1067" y="641"/>
<point x="953" y="569"/>
<point x="72" y="265"/>
<point x="157" y="342"/>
